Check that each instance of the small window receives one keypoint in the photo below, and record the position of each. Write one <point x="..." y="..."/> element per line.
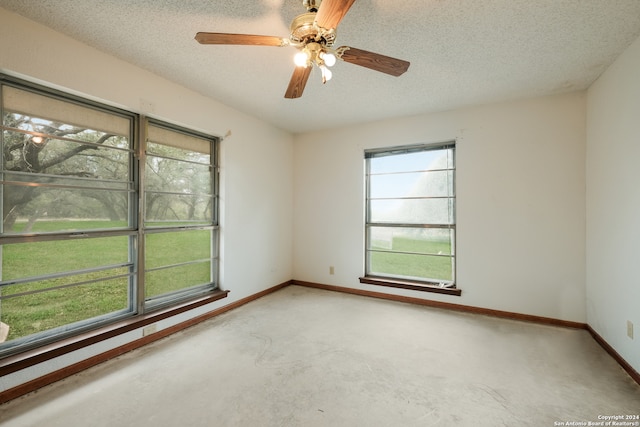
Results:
<point x="410" y="216"/>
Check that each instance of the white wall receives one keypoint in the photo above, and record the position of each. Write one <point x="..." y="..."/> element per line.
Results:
<point x="613" y="204"/>
<point x="256" y="159"/>
<point x="520" y="195"/>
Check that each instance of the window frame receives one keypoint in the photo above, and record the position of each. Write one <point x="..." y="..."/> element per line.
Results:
<point x="412" y="283"/>
<point x="167" y="300"/>
<point x="137" y="310"/>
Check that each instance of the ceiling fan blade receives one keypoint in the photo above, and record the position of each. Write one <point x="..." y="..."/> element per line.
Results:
<point x="298" y="82"/>
<point x="331" y="12"/>
<point x="374" y="61"/>
<point x="240" y="39"/>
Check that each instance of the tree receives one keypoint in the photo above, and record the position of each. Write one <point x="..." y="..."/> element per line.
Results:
<point x="73" y="172"/>
<point x="62" y="152"/>
<point x="178" y="185"/>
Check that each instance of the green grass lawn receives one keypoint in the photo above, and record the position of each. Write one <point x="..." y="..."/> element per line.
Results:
<point x="45" y="226"/>
<point x="173" y="248"/>
<point x="418" y="265"/>
<point x="42" y="311"/>
<point x="51" y="308"/>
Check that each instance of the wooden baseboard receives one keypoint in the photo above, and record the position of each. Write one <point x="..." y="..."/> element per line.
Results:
<point x="75" y="368"/>
<point x="50" y="378"/>
<point x="59" y="348"/>
<point x="485" y="311"/>
<point x="448" y="306"/>
<point x="623" y="363"/>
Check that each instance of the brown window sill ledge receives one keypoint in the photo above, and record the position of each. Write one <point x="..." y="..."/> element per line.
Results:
<point x="46" y="352"/>
<point x="405" y="284"/>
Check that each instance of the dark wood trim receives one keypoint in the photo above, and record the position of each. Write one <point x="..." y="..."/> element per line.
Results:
<point x="605" y="345"/>
<point x="414" y="286"/>
<point x="42" y="356"/>
<point x="47" y="352"/>
<point x="485" y="311"/>
<point x="447" y="305"/>
<point x="52" y="377"/>
<point x="250" y="298"/>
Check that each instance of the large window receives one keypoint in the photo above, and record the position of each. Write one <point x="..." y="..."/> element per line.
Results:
<point x="78" y="248"/>
<point x="410" y="216"/>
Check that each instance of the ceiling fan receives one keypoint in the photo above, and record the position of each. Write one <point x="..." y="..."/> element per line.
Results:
<point x="313" y="34"/>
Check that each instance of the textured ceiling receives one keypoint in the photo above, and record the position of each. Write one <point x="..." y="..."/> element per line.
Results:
<point x="462" y="52"/>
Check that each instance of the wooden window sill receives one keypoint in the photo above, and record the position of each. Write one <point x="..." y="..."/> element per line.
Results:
<point x="46" y="352"/>
<point x="411" y="285"/>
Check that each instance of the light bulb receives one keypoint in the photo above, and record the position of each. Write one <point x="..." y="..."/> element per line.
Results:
<point x="328" y="58"/>
<point x="301" y="58"/>
<point x="326" y="74"/>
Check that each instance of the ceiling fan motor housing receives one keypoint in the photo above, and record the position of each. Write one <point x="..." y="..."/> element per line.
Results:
<point x="304" y="30"/>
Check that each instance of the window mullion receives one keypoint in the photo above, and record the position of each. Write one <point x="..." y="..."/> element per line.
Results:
<point x="141" y="163"/>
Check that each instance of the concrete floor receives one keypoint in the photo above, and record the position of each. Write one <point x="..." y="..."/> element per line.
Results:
<point x="306" y="357"/>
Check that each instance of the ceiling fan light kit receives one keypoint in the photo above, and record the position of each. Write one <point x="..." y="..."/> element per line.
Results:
<point x="314" y="34"/>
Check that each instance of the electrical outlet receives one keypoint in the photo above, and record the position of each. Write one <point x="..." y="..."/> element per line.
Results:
<point x="148" y="330"/>
<point x="630" y="329"/>
<point x="331" y="270"/>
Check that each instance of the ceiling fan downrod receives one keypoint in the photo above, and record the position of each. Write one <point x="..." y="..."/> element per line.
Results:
<point x="311" y="5"/>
